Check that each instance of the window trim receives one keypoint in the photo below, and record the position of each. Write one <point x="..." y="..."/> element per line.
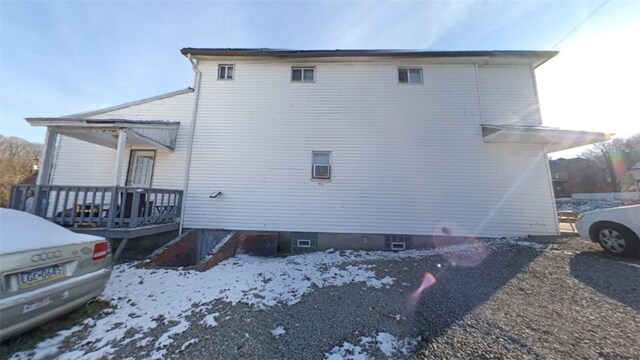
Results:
<point x="407" y="68"/>
<point x="302" y="81"/>
<point x="226" y="71"/>
<point x="313" y="164"/>
<point x="306" y="241"/>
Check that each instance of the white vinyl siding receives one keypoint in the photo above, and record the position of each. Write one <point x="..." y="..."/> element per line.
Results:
<point x="508" y="95"/>
<point x="411" y="159"/>
<point x="82" y="163"/>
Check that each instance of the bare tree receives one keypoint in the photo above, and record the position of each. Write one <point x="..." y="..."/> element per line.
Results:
<point x="616" y="156"/>
<point x="17" y="158"/>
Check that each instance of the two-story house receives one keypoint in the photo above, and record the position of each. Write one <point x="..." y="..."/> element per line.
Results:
<point x="333" y="148"/>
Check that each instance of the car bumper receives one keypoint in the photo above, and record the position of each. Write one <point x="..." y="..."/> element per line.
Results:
<point x="583" y="229"/>
<point x="27" y="310"/>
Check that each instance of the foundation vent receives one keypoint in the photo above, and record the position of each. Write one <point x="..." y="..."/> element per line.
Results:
<point x="396" y="242"/>
<point x="303" y="242"/>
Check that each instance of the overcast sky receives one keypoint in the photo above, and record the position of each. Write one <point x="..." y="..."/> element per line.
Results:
<point x="61" y="57"/>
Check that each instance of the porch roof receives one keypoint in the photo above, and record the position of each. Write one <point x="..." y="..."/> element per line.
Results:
<point x="157" y="133"/>
<point x="556" y="139"/>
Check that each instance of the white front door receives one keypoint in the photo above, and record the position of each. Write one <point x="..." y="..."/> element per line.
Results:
<point x="141" y="168"/>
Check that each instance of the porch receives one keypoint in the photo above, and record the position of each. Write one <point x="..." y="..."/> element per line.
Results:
<point x="123" y="205"/>
<point x="114" y="212"/>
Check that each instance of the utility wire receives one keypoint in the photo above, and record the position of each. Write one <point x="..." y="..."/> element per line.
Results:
<point x="605" y="2"/>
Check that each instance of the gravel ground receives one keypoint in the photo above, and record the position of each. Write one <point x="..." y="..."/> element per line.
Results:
<point x="572" y="302"/>
<point x="569" y="301"/>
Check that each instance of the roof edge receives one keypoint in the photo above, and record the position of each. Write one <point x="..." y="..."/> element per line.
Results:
<point x="128" y="104"/>
<point x="541" y="55"/>
<point x="68" y="121"/>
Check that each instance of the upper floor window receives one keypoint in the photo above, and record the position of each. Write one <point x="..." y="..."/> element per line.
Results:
<point x="303" y="74"/>
<point x="225" y="72"/>
<point x="410" y="75"/>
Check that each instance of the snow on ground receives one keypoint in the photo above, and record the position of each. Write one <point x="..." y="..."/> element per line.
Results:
<point x="278" y="331"/>
<point x="146" y="298"/>
<point x="384" y="342"/>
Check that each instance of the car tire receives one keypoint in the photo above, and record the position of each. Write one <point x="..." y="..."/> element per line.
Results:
<point x="616" y="239"/>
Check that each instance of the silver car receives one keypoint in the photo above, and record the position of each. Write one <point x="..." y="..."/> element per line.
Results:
<point x="46" y="270"/>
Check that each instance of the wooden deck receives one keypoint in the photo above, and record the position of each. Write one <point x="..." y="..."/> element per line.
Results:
<point x="112" y="212"/>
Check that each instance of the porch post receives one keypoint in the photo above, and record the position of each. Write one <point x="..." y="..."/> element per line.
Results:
<point x="122" y="144"/>
<point x="117" y="178"/>
<point x="44" y="174"/>
<point x="46" y="165"/>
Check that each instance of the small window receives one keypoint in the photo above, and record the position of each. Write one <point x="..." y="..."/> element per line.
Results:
<point x="410" y="76"/>
<point x="321" y="166"/>
<point x="225" y="72"/>
<point x="303" y="74"/>
<point x="304" y="243"/>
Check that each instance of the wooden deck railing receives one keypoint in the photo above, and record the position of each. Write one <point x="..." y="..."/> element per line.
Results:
<point x="99" y="206"/>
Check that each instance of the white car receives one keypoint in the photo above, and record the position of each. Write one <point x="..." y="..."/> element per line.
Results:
<point x="46" y="270"/>
<point x="617" y="230"/>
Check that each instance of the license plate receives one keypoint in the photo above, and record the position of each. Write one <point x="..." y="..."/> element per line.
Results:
<point x="39" y="276"/>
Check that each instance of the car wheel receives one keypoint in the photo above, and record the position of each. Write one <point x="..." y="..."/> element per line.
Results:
<point x="616" y="239"/>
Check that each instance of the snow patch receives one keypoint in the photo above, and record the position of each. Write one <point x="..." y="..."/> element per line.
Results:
<point x="384" y="342"/>
<point x="166" y="339"/>
<point x="210" y="320"/>
<point x="278" y="331"/>
<point x="188" y="343"/>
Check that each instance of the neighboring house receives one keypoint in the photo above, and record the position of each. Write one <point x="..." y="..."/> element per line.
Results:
<point x="577" y="175"/>
<point x="337" y="148"/>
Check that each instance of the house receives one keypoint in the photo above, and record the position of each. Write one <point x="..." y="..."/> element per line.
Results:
<point x="577" y="175"/>
<point x="328" y="148"/>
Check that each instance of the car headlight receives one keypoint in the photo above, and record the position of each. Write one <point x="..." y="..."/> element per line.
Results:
<point x="580" y="216"/>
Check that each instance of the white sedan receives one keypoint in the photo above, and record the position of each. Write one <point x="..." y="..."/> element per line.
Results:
<point x="617" y="230"/>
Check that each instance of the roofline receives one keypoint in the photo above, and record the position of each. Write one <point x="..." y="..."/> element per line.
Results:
<point x="128" y="104"/>
<point x="99" y="123"/>
<point x="541" y="56"/>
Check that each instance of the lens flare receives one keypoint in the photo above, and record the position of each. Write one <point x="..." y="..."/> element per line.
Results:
<point x="428" y="281"/>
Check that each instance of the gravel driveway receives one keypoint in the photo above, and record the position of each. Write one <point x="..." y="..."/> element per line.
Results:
<point x="562" y="300"/>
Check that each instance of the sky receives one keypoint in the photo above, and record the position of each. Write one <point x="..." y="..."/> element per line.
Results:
<point x="59" y="58"/>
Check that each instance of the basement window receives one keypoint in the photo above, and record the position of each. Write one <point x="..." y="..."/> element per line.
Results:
<point x="225" y="72"/>
<point x="410" y="75"/>
<point x="303" y="74"/>
<point x="304" y="243"/>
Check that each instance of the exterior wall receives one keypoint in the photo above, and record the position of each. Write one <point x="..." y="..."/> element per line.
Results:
<point x="509" y="95"/>
<point x="406" y="159"/>
<point x="82" y="163"/>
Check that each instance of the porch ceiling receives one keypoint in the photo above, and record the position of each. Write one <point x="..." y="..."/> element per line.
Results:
<point x="104" y="132"/>
<point x="554" y="139"/>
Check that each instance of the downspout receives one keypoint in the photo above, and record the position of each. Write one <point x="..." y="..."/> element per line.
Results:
<point x="185" y="186"/>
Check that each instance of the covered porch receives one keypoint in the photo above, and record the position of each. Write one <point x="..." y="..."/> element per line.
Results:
<point x="129" y="206"/>
<point x="552" y="139"/>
